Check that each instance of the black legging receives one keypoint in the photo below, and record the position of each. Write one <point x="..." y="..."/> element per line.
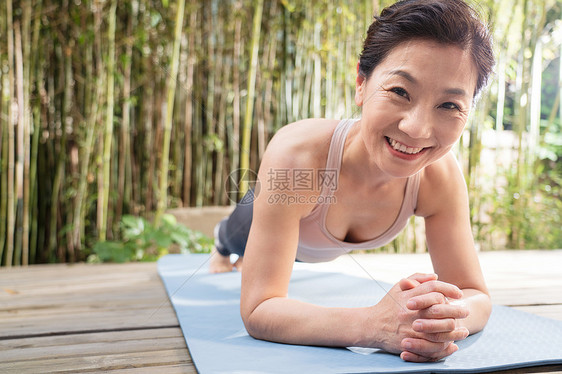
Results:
<point x="231" y="234"/>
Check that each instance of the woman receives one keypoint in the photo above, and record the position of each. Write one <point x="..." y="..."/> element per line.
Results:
<point x="422" y="65"/>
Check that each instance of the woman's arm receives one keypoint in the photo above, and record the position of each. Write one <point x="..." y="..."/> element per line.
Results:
<point x="270" y="253"/>
<point x="443" y="201"/>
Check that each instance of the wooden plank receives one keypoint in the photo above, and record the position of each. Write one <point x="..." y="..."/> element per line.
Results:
<point x="81" y="298"/>
<point x="527" y="296"/>
<point x="99" y="343"/>
<point x="171" y="369"/>
<point x="99" y="362"/>
<point x="103" y="351"/>
<point x="549" y="311"/>
<point x="84" y="323"/>
<point x="72" y="339"/>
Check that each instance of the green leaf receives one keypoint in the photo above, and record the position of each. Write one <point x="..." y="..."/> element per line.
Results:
<point x="112" y="251"/>
<point x="169" y="219"/>
<point x="132" y="226"/>
<point x="179" y="239"/>
<point x="162" y="240"/>
<point x="155" y="18"/>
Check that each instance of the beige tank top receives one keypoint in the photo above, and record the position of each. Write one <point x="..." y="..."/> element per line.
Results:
<point x="316" y="243"/>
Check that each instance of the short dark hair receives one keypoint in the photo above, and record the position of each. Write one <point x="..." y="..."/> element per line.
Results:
<point x="444" y="21"/>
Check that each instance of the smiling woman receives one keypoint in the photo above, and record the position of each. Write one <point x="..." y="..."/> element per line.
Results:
<point x="413" y="111"/>
<point x="356" y="182"/>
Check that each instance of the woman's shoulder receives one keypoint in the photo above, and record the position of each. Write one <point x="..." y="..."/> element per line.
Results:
<point x="301" y="144"/>
<point x="441" y="181"/>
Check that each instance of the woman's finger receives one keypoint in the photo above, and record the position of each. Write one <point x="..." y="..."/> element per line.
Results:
<point x="425" y="301"/>
<point x="442" y="311"/>
<point x="407" y="284"/>
<point x="423" y="277"/>
<point x="446" y="289"/>
<point x="431" y="326"/>
<point x="415" y="357"/>
<point x="423" y="347"/>
<point x="441" y="337"/>
<point x="415" y="280"/>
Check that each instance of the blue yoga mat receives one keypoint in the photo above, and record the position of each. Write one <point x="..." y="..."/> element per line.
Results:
<point x="207" y="307"/>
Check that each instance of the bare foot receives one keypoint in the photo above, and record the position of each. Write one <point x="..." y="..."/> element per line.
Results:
<point x="219" y="263"/>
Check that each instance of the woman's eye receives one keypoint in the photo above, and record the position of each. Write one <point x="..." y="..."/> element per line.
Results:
<point x="450" y="105"/>
<point x="399" y="91"/>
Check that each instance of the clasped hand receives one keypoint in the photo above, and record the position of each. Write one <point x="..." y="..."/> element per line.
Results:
<point x="420" y="318"/>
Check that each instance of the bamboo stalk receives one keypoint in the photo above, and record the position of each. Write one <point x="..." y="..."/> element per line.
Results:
<point x="535" y="104"/>
<point x="171" y="88"/>
<point x="37" y="70"/>
<point x="296" y="78"/>
<point x="285" y="77"/>
<point x="258" y="119"/>
<point x="67" y="124"/>
<point x="219" y="197"/>
<point x="209" y="105"/>
<point x="521" y="115"/>
<point x="177" y="141"/>
<point x="58" y="181"/>
<point x="84" y="156"/>
<point x="248" y="117"/>
<point x="268" y="90"/>
<point x="26" y="21"/>
<point x="20" y="157"/>
<point x="317" y="78"/>
<point x="329" y="85"/>
<point x="187" y="182"/>
<point x="9" y="87"/>
<point x="264" y="119"/>
<point x="5" y="120"/>
<point x="103" y="200"/>
<point x="148" y="143"/>
<point x="559" y="93"/>
<point x="124" y="189"/>
<point x="235" y="139"/>
<point x="536" y="91"/>
<point x="98" y="143"/>
<point x="198" y="178"/>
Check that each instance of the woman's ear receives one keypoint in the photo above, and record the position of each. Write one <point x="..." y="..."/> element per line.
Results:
<point x="360" y="82"/>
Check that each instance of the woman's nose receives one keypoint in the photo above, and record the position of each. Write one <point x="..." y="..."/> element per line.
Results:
<point x="417" y="124"/>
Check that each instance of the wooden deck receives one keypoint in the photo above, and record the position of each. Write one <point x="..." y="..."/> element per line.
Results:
<point x="94" y="318"/>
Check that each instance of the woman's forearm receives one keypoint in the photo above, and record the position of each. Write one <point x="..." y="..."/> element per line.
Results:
<point x="291" y="321"/>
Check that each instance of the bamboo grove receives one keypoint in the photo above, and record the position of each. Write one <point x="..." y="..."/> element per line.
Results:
<point x="134" y="106"/>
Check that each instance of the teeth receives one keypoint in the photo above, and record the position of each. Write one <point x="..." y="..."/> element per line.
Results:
<point x="402" y="148"/>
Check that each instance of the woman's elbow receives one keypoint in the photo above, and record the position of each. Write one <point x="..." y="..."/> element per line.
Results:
<point x="252" y="323"/>
<point x="250" y="318"/>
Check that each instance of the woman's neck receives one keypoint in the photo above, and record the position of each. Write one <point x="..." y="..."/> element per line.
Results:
<point x="358" y="166"/>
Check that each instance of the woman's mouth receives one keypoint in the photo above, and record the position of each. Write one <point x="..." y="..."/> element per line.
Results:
<point x="402" y="148"/>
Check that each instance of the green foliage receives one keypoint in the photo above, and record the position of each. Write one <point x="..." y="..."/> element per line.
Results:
<point x="518" y="218"/>
<point x="143" y="241"/>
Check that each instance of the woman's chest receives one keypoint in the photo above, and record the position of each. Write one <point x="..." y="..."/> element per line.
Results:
<point x="359" y="215"/>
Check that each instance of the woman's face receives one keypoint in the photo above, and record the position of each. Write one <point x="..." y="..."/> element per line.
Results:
<point x="415" y="105"/>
